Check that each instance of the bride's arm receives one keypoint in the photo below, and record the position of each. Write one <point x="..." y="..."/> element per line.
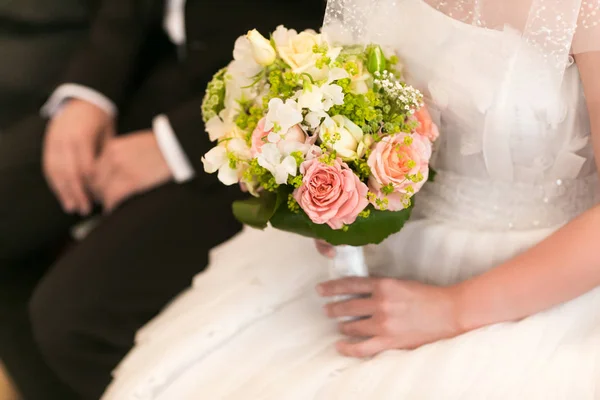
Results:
<point x="562" y="267"/>
<point x="402" y="314"/>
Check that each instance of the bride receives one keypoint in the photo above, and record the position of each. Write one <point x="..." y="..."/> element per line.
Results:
<point x="491" y="292"/>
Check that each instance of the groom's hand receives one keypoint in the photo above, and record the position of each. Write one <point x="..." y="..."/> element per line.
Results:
<point x="396" y="314"/>
<point x="73" y="138"/>
<point x="129" y="165"/>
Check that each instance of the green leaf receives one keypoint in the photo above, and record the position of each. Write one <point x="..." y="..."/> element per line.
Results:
<point x="432" y="175"/>
<point x="371" y="230"/>
<point x="257" y="211"/>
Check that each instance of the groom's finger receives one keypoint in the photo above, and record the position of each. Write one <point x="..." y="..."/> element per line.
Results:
<point x="351" y="308"/>
<point x="343" y="286"/>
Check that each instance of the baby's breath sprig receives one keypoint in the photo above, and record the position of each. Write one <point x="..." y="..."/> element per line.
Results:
<point x="404" y="98"/>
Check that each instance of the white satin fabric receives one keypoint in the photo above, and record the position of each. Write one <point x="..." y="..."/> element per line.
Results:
<point x="252" y="327"/>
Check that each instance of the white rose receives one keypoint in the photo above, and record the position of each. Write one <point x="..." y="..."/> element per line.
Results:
<point x="263" y="52"/>
<point x="342" y="135"/>
<point x="297" y="50"/>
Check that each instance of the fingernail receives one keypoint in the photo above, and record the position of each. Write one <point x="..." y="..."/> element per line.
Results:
<point x="320" y="290"/>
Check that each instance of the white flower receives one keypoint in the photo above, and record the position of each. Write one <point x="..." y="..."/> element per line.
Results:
<point x="264" y="53"/>
<point x="336" y="74"/>
<point x="242" y="51"/>
<point x="314" y="118"/>
<point x="241" y="74"/>
<point x="343" y="136"/>
<point x="231" y="146"/>
<point x="282" y="116"/>
<point x="322" y="98"/>
<point x="277" y="162"/>
<point x="219" y="128"/>
<point x="315" y="98"/>
<point x="218" y="159"/>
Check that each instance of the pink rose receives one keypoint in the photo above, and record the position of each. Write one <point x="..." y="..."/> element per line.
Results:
<point x="426" y="126"/>
<point x="331" y="194"/>
<point x="399" y="163"/>
<point x="260" y="136"/>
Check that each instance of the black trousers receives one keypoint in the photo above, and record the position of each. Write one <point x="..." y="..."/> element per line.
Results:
<point x="68" y="318"/>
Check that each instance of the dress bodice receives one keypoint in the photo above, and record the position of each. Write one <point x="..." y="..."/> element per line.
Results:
<point x="461" y="69"/>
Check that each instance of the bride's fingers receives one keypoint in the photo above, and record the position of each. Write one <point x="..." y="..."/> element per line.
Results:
<point x="363" y="328"/>
<point x="366" y="348"/>
<point x="353" y="285"/>
<point x="351" y="308"/>
<point x="325" y="248"/>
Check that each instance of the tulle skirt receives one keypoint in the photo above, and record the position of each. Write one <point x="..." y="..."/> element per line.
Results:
<point x="252" y="327"/>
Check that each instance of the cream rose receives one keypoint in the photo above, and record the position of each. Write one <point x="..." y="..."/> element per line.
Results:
<point x="344" y="136"/>
<point x="297" y="50"/>
<point x="264" y="54"/>
<point x="360" y="78"/>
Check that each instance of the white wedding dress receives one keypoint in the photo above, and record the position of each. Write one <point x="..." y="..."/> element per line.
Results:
<point x="252" y="326"/>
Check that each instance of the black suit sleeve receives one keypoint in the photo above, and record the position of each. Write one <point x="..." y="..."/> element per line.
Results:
<point x="186" y="121"/>
<point x="109" y="56"/>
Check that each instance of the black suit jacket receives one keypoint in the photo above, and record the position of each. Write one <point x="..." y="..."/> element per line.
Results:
<point x="127" y="33"/>
<point x="37" y="39"/>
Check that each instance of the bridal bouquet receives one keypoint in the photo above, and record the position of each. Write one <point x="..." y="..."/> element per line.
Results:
<point x="329" y="140"/>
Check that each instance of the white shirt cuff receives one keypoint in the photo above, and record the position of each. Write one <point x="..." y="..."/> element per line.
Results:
<point x="171" y="149"/>
<point x="74" y="91"/>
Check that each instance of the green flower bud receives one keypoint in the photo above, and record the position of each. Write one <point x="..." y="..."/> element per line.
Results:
<point x="375" y="59"/>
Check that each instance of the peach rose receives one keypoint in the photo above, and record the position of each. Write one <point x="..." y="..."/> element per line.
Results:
<point x="399" y="167"/>
<point x="426" y="126"/>
<point x="260" y="136"/>
<point x="331" y="194"/>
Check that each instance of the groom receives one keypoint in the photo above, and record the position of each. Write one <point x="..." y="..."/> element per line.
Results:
<point x="69" y="316"/>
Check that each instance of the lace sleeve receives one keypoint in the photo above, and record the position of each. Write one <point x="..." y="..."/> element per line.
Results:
<point x="587" y="35"/>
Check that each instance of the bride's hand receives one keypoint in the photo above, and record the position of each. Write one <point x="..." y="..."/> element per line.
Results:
<point x="397" y="314"/>
<point x="325" y="248"/>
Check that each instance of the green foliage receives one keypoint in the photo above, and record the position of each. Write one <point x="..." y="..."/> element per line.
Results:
<point x="260" y="176"/>
<point x="257" y="211"/>
<point x="248" y="118"/>
<point x="283" y="212"/>
<point x="283" y="83"/>
<point x="214" y="98"/>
